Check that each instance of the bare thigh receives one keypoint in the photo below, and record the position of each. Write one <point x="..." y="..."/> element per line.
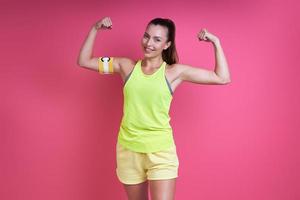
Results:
<point x="137" y="191"/>
<point x="162" y="189"/>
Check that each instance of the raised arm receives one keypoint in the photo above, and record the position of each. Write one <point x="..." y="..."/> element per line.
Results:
<point x="220" y="75"/>
<point x="85" y="58"/>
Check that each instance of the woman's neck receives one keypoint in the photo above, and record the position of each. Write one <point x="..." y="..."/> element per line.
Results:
<point x="152" y="62"/>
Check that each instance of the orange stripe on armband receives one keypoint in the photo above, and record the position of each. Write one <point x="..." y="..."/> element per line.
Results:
<point x="106" y="65"/>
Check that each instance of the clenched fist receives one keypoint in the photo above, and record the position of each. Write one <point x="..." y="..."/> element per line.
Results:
<point x="104" y="23"/>
<point x="204" y="35"/>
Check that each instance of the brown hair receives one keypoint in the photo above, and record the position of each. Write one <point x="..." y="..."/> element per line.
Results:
<point x="169" y="55"/>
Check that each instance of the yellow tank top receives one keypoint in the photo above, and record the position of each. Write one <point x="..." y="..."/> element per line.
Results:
<point x="145" y="123"/>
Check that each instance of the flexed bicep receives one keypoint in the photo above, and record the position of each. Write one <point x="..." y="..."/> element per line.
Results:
<point x="198" y="75"/>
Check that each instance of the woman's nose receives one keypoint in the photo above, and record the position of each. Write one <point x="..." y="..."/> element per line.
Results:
<point x="149" y="42"/>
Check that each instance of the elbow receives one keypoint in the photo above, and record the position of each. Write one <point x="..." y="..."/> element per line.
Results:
<point x="81" y="60"/>
<point x="226" y="81"/>
<point x="80" y="63"/>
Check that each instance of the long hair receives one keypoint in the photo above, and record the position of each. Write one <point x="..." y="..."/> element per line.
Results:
<point x="169" y="55"/>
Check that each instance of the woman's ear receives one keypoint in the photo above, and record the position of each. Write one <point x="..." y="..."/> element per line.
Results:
<point x="168" y="45"/>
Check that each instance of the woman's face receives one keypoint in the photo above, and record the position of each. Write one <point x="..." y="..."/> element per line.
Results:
<point x="154" y="40"/>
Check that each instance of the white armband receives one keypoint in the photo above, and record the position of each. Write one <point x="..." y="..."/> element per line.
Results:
<point x="105" y="65"/>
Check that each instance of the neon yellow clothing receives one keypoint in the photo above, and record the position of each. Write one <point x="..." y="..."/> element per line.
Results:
<point x="145" y="123"/>
<point x="134" y="167"/>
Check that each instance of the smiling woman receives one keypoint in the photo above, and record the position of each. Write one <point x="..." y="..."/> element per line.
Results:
<point x="159" y="38"/>
<point x="145" y="149"/>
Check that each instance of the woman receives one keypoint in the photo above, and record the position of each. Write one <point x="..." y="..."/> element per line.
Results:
<point x="145" y="150"/>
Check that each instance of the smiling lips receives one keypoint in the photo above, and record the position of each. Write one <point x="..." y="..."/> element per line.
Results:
<point x="148" y="50"/>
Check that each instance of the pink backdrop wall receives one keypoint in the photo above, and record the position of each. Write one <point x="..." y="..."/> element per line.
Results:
<point x="59" y="122"/>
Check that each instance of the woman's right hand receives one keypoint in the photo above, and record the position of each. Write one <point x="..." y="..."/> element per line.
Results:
<point x="104" y="23"/>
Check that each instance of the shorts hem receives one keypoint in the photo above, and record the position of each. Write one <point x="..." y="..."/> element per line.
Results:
<point x="131" y="180"/>
<point x="163" y="178"/>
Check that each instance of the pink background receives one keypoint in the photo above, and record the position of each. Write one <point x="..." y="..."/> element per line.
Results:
<point x="59" y="122"/>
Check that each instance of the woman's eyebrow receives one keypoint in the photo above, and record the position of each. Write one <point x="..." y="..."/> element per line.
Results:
<point x="154" y="36"/>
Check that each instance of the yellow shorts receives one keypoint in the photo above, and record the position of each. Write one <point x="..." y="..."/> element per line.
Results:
<point x="135" y="167"/>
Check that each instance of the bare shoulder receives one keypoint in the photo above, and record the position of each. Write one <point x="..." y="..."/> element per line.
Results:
<point x="174" y="70"/>
<point x="125" y="65"/>
<point x="178" y="67"/>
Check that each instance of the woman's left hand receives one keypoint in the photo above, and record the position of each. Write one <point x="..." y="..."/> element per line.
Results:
<point x="206" y="36"/>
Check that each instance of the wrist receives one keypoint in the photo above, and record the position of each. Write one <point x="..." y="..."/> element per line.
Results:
<point x="216" y="42"/>
<point x="95" y="28"/>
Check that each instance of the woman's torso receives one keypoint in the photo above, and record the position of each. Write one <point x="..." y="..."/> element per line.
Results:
<point x="145" y="123"/>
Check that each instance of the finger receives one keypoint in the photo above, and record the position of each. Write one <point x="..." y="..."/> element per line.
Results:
<point x="104" y="20"/>
<point x="205" y="36"/>
<point x="107" y="20"/>
<point x="202" y="35"/>
<point x="100" y="24"/>
<point x="105" y="23"/>
<point x="110" y="21"/>
<point x="198" y="35"/>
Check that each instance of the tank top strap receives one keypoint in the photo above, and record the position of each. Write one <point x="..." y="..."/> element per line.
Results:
<point x="134" y="70"/>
